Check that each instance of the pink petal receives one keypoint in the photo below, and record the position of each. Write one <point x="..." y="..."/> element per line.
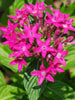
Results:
<point x="47" y="42"/>
<point x="26" y="53"/>
<point x="9" y="23"/>
<point x="60" y="47"/>
<point x="55" y="60"/>
<point x="11" y="16"/>
<point x="42" y="67"/>
<point x="35" y="73"/>
<point x="3" y="29"/>
<point x="38" y="35"/>
<point x="34" y="29"/>
<point x="24" y="62"/>
<point x="40" y="80"/>
<point x="64" y="53"/>
<point x="20" y="66"/>
<point x="6" y="42"/>
<point x="13" y="62"/>
<point x="28" y="8"/>
<point x="37" y="50"/>
<point x="62" y="61"/>
<point x="44" y="53"/>
<point x="31" y="40"/>
<point x="39" y="42"/>
<point x="49" y="78"/>
<point x="59" y="69"/>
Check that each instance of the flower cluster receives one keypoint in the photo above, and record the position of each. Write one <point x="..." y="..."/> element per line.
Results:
<point x="43" y="37"/>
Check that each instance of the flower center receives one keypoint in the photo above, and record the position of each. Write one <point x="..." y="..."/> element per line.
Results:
<point x="24" y="48"/>
<point x="52" y="66"/>
<point x="19" y="16"/>
<point x="64" y="25"/>
<point x="34" y="11"/>
<point x="58" y="55"/>
<point x="31" y="34"/>
<point x="49" y="55"/>
<point x="43" y="47"/>
<point x="53" y="20"/>
<point x="43" y="73"/>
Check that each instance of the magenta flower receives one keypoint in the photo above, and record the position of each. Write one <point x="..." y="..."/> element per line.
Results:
<point x="35" y="9"/>
<point x="55" y="68"/>
<point x="22" y="49"/>
<point x="20" y="15"/>
<point x="43" y="73"/>
<point x="31" y="34"/>
<point x="9" y="30"/>
<point x="60" y="54"/>
<point x="44" y="47"/>
<point x="20" y="61"/>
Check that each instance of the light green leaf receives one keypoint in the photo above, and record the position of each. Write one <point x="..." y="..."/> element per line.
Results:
<point x="4" y="60"/>
<point x="2" y="80"/>
<point x="8" y="92"/>
<point x="59" y="91"/>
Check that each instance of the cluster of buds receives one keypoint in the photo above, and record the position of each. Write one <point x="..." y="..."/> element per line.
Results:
<point x="44" y="39"/>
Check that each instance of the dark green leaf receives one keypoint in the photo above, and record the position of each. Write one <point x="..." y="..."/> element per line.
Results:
<point x="59" y="91"/>
<point x="2" y="80"/>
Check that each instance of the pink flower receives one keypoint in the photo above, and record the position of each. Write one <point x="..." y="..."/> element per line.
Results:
<point x="20" y="15"/>
<point x="43" y="47"/>
<point x="9" y="30"/>
<point x="22" y="49"/>
<point x="20" y="61"/>
<point x="60" y="54"/>
<point x="43" y="73"/>
<point x="55" y="68"/>
<point x="31" y="34"/>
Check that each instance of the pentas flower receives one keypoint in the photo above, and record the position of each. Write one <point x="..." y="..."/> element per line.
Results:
<point x="60" y="54"/>
<point x="20" y="15"/>
<point x="31" y="34"/>
<point x="43" y="73"/>
<point x="55" y="67"/>
<point x="22" y="49"/>
<point x="20" y="61"/>
<point x="43" y="39"/>
<point x="43" y="47"/>
<point x="9" y="30"/>
<point x="35" y="9"/>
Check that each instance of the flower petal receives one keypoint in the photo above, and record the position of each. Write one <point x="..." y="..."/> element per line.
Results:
<point x="13" y="62"/>
<point x="20" y="66"/>
<point x="47" y="42"/>
<point x="60" y="47"/>
<point x="64" y="53"/>
<point x="36" y="73"/>
<point x="49" y="78"/>
<point x="59" y="69"/>
<point x="40" y="80"/>
<point x="62" y="61"/>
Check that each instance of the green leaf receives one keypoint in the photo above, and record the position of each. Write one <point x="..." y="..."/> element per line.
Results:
<point x="2" y="80"/>
<point x="18" y="4"/>
<point x="59" y="91"/>
<point x="6" y="61"/>
<point x="70" y="64"/>
<point x="31" y="83"/>
<point x="9" y="92"/>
